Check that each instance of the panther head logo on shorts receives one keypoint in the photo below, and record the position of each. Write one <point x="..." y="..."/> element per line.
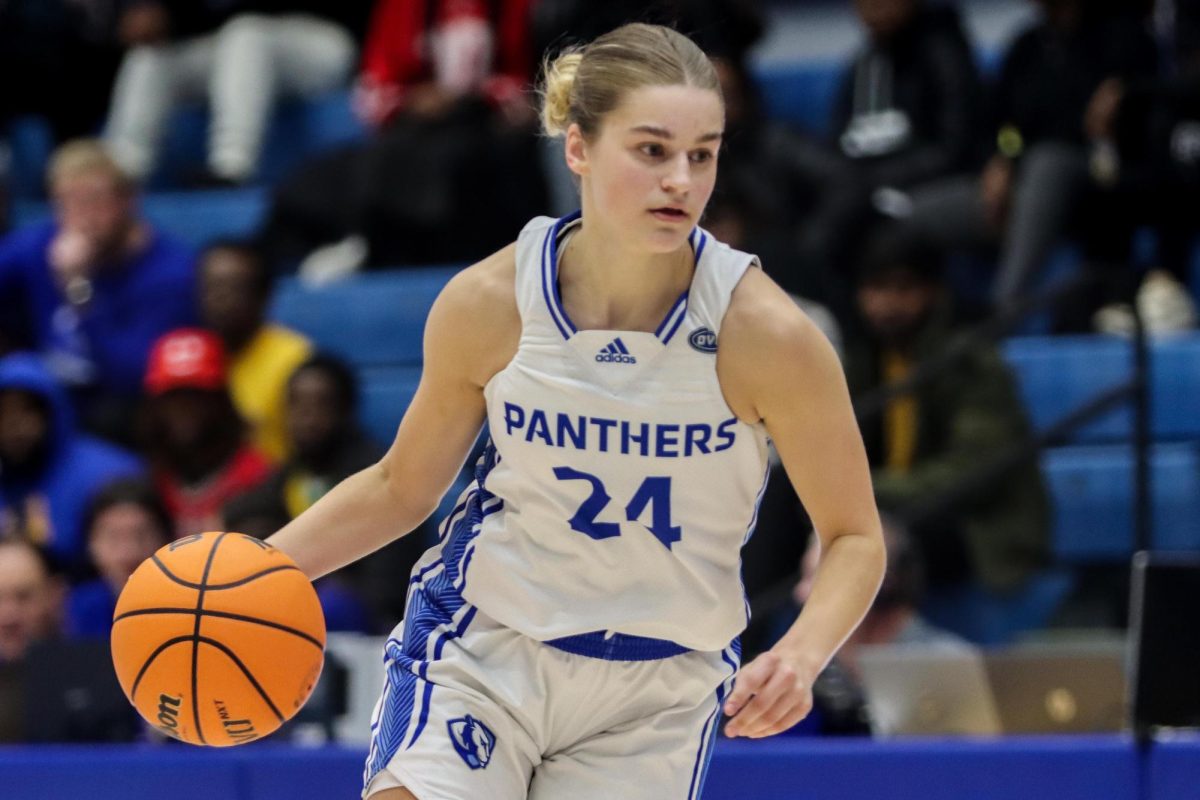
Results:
<point x="472" y="740"/>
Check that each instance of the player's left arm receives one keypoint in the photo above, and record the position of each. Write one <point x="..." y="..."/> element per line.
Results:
<point x="777" y="367"/>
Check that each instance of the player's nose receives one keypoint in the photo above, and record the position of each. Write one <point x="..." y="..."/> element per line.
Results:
<point x="678" y="177"/>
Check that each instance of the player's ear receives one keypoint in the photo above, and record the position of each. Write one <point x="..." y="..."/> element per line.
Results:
<point x="576" y="150"/>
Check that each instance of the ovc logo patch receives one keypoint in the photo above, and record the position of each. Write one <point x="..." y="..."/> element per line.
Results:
<point x="472" y="740"/>
<point x="704" y="340"/>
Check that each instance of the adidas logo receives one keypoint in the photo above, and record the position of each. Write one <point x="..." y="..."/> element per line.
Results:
<point x="615" y="353"/>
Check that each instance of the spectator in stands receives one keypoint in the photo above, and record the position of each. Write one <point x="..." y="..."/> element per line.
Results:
<point x="235" y="287"/>
<point x="94" y="288"/>
<point x="30" y="612"/>
<point x="126" y="523"/>
<point x="240" y="56"/>
<point x="925" y="444"/>
<point x="1155" y="123"/>
<point x="906" y="113"/>
<point x="445" y="89"/>
<point x="195" y="440"/>
<point x="1044" y="157"/>
<point x="327" y="446"/>
<point x="30" y="599"/>
<point x="839" y="706"/>
<point x="48" y="470"/>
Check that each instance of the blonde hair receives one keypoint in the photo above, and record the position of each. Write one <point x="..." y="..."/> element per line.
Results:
<point x="584" y="83"/>
<point x="85" y="156"/>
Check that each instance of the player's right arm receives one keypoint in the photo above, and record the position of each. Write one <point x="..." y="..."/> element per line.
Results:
<point x="471" y="334"/>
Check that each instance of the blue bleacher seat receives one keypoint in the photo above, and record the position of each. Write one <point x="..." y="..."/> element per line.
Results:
<point x="30" y="141"/>
<point x="196" y="217"/>
<point x="298" y="130"/>
<point x="1092" y="490"/>
<point x="1058" y="374"/>
<point x="386" y="393"/>
<point x="801" y="93"/>
<point x="375" y="319"/>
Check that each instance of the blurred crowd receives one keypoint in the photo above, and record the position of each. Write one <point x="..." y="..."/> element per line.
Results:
<point x="145" y="395"/>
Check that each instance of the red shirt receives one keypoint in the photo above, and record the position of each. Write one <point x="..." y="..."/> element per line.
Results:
<point x="197" y="508"/>
<point x="395" y="52"/>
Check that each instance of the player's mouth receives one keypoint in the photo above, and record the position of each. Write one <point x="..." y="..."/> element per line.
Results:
<point x="670" y="214"/>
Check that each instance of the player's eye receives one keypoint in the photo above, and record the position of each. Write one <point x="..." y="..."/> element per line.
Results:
<point x="652" y="149"/>
<point x="701" y="156"/>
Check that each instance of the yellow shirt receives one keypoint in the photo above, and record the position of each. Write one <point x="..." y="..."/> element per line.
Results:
<point x="900" y="419"/>
<point x="258" y="377"/>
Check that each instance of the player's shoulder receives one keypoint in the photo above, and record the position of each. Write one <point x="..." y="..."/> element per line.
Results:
<point x="768" y="348"/>
<point x="475" y="322"/>
<point x="763" y="314"/>
<point x="486" y="290"/>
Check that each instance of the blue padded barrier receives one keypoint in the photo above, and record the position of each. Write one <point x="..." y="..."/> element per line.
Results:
<point x="195" y="217"/>
<point x="1092" y="490"/>
<point x="376" y="319"/>
<point x="1062" y="768"/>
<point x="1173" y="768"/>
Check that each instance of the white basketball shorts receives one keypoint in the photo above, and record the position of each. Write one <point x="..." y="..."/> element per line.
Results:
<point x="473" y="709"/>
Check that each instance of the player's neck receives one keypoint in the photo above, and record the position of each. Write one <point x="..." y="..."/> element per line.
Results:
<point x="607" y="285"/>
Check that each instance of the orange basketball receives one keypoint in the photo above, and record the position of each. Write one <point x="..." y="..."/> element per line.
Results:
<point x="218" y="639"/>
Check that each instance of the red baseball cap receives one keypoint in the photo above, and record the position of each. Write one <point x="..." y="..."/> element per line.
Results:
<point x="187" y="358"/>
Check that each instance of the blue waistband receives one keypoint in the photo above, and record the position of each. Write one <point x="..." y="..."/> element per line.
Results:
<point x="618" y="646"/>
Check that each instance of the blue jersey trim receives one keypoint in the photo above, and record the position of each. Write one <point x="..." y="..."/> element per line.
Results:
<point x="618" y="646"/>
<point x="434" y="601"/>
<point x="665" y="330"/>
<point x="550" y="279"/>
<point x="707" y="738"/>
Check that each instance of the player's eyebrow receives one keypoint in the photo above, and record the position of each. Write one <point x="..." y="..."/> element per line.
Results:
<point x="655" y="130"/>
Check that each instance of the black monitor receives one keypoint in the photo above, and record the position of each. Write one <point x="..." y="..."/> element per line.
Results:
<point x="71" y="694"/>
<point x="1165" y="638"/>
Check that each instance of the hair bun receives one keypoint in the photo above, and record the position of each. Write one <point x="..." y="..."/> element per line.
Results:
<point x="556" y="91"/>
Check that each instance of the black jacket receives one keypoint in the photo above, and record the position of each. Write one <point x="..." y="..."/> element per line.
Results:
<point x="1049" y="75"/>
<point x="908" y="105"/>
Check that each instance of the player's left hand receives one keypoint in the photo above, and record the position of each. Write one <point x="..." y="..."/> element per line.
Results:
<point x="771" y="694"/>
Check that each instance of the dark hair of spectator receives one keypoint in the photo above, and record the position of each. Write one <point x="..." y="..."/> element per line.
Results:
<point x="892" y="247"/>
<point x="133" y="491"/>
<point x="51" y="564"/>
<point x="264" y="279"/>
<point x="339" y="373"/>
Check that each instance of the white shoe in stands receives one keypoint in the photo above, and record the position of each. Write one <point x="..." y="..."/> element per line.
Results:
<point x="332" y="262"/>
<point x="1164" y="303"/>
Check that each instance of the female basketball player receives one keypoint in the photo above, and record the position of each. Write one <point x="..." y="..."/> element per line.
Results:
<point x="573" y="634"/>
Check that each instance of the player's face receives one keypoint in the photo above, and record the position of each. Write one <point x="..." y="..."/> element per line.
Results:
<point x="651" y="168"/>
<point x="121" y="538"/>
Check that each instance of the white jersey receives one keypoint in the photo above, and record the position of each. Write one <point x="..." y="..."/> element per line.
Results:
<point x="619" y="487"/>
